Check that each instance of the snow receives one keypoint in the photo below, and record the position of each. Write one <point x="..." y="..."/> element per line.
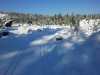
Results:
<point x="33" y="50"/>
<point x="2" y="15"/>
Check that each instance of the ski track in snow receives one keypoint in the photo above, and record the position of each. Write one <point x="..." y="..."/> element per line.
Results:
<point x="45" y="65"/>
<point x="7" y="67"/>
<point x="17" y="59"/>
<point x="12" y="66"/>
<point x="52" y="60"/>
<point x="44" y="60"/>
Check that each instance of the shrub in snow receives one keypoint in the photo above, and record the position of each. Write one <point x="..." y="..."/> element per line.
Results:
<point x="1" y="24"/>
<point x="0" y="35"/>
<point x="30" y="22"/>
<point x="39" y="30"/>
<point x="19" y="25"/>
<point x="88" y="22"/>
<point x="30" y="31"/>
<point x="8" y="24"/>
<point x="99" y="32"/>
<point x="84" y="22"/>
<point x="76" y="28"/>
<point x="57" y="39"/>
<point x="5" y="33"/>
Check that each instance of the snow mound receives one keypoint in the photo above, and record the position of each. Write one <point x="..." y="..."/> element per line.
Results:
<point x="2" y="15"/>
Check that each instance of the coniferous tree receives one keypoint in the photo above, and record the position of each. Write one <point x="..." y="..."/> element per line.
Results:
<point x="42" y="19"/>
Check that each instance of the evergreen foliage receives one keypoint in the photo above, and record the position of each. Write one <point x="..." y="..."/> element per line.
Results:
<point x="56" y="19"/>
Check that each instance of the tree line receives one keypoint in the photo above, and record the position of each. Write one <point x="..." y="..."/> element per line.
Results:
<point x="56" y="19"/>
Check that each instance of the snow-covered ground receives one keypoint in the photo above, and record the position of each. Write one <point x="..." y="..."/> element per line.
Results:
<point x="32" y="50"/>
<point x="3" y="15"/>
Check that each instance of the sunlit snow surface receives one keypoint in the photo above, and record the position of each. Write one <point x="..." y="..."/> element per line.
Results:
<point x="33" y="50"/>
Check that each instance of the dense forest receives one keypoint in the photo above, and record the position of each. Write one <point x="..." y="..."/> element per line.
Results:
<point x="56" y="19"/>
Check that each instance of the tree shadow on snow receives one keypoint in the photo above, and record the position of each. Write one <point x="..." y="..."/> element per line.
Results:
<point x="66" y="57"/>
<point x="76" y="58"/>
<point x="13" y="47"/>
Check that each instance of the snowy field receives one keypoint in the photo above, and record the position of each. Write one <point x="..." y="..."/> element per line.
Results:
<point x="33" y="50"/>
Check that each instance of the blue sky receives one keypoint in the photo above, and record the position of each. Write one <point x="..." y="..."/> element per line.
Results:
<point x="51" y="7"/>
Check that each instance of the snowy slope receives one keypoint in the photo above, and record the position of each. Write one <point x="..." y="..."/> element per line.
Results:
<point x="32" y="50"/>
